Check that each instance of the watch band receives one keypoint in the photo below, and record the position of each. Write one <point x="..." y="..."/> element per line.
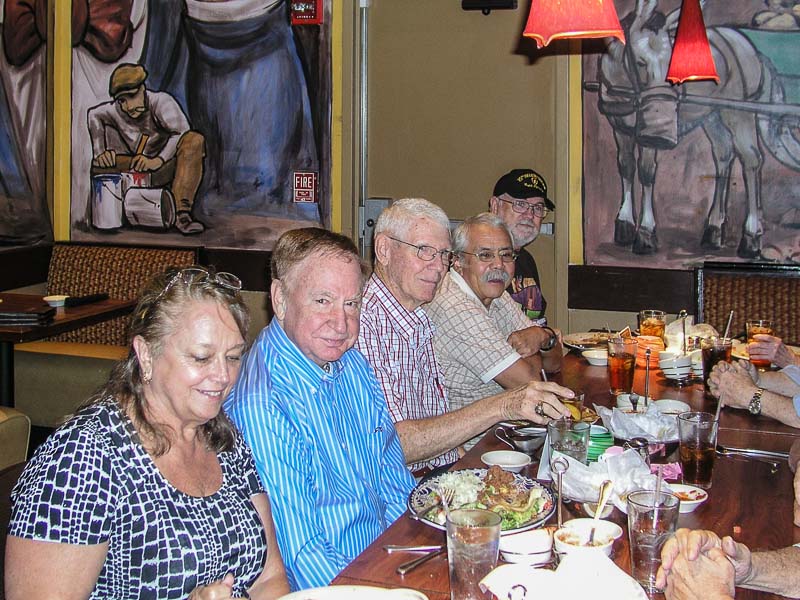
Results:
<point x="755" y="402"/>
<point x="549" y="344"/>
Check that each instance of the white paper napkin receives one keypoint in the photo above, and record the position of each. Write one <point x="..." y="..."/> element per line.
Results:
<point x="580" y="575"/>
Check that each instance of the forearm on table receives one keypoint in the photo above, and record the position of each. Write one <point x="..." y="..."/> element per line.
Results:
<point x="776" y="571"/>
<point x="775" y="381"/>
<point x="423" y="439"/>
<point x="780" y="408"/>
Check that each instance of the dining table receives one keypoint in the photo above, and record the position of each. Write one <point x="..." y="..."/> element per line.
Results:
<point x="64" y="319"/>
<point x="748" y="500"/>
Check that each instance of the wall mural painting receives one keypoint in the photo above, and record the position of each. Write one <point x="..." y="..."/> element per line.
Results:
<point x="24" y="214"/>
<point x="703" y="171"/>
<point x="192" y="121"/>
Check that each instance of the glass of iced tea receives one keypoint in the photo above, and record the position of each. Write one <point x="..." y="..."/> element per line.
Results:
<point x="621" y="363"/>
<point x="652" y="322"/>
<point x="756" y="327"/>
<point x="715" y="349"/>
<point x="698" y="444"/>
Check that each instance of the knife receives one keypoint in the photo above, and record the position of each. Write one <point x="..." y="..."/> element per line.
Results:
<point x="413" y="564"/>
<point x="79" y="300"/>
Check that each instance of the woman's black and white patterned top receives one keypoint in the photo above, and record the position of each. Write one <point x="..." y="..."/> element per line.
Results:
<point x="93" y="482"/>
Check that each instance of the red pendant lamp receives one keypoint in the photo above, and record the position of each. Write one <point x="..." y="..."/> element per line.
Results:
<point x="557" y="19"/>
<point x="691" y="53"/>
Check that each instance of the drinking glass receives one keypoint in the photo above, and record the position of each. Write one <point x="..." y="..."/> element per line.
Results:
<point x="652" y="519"/>
<point x="574" y="405"/>
<point x="473" y="539"/>
<point x="569" y="437"/>
<point x="714" y="350"/>
<point x="621" y="363"/>
<point x="698" y="443"/>
<point x="755" y="327"/>
<point x="652" y="322"/>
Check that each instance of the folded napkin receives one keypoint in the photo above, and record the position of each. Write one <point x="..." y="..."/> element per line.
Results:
<point x="626" y="471"/>
<point x="653" y="424"/>
<point x="580" y="575"/>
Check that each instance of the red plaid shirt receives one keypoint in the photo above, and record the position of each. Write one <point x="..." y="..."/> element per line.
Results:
<point x="399" y="346"/>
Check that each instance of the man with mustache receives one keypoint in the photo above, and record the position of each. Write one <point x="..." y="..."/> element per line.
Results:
<point x="520" y="199"/>
<point x="146" y="131"/>
<point x="482" y="339"/>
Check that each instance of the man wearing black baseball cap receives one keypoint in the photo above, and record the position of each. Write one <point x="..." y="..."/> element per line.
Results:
<point x="520" y="199"/>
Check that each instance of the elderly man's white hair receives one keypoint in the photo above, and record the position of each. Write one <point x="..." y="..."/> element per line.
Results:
<point x="461" y="233"/>
<point x="398" y="217"/>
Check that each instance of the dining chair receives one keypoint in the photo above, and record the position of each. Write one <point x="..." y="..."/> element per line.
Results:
<point x="15" y="431"/>
<point x="752" y="291"/>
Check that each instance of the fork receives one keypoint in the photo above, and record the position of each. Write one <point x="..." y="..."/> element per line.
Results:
<point x="447" y="494"/>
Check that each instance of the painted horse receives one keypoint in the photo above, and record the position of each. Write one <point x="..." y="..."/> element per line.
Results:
<point x="648" y="114"/>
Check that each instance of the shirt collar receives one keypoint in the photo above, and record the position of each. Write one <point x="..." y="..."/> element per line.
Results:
<point x="461" y="282"/>
<point x="308" y="368"/>
<point x="409" y="323"/>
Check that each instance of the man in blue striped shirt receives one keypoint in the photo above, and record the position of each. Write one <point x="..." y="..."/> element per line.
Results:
<point x="314" y="414"/>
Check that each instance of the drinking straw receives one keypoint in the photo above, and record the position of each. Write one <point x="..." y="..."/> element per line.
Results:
<point x="544" y="375"/>
<point x="659" y="478"/>
<point x="684" y="334"/>
<point x="727" y="327"/>
<point x="719" y="409"/>
<point x="647" y="376"/>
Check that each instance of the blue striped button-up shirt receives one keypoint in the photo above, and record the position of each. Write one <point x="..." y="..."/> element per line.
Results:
<point x="326" y="450"/>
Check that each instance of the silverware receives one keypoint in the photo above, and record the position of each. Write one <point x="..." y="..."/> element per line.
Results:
<point x="752" y="452"/>
<point x="773" y="466"/>
<point x="390" y="548"/>
<point x="413" y="564"/>
<point x="605" y="493"/>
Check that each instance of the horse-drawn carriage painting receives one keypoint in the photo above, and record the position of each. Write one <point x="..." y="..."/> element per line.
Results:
<point x="674" y="175"/>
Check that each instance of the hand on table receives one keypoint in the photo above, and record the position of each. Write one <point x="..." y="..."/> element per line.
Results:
<point x="219" y="590"/>
<point x="537" y="401"/>
<point x="529" y="341"/>
<point x="771" y="348"/>
<point x="732" y="383"/>
<point x="689" y="545"/>
<point x="708" y="577"/>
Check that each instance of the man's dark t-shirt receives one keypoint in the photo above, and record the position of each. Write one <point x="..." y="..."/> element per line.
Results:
<point x="524" y="287"/>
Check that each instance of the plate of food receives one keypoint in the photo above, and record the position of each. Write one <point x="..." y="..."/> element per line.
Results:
<point x="739" y="350"/>
<point x="521" y="502"/>
<point x="586" y="340"/>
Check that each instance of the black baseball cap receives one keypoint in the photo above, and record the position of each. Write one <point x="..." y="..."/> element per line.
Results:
<point x="523" y="183"/>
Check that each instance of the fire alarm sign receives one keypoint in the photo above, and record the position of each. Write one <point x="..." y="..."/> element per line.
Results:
<point x="305" y="186"/>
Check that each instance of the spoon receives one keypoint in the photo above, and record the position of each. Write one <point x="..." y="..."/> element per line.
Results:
<point x="605" y="494"/>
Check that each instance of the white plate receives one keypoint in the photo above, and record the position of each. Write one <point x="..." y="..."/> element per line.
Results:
<point x="688" y="505"/>
<point x="587" y="339"/>
<point x="425" y="497"/>
<point x="55" y="301"/>
<point x="355" y="592"/>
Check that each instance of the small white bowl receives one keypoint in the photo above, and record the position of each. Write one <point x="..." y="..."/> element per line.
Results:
<point x="533" y="547"/>
<point x="574" y="535"/>
<point x="596" y="358"/>
<point x="508" y="460"/>
<point x="671" y="407"/>
<point x="55" y="301"/>
<point x="690" y="496"/>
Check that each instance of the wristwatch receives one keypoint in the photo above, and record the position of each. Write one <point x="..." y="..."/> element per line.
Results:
<point x="755" y="402"/>
<point x="549" y="344"/>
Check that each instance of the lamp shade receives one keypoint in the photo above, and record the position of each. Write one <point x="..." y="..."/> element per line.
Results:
<point x="691" y="53"/>
<point x="555" y="19"/>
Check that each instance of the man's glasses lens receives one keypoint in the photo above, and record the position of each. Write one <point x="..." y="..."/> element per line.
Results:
<point x="520" y="206"/>
<point x="507" y="256"/>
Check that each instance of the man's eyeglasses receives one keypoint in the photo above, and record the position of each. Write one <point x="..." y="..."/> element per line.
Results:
<point x="428" y="252"/>
<point x="520" y="206"/>
<point x="507" y="256"/>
